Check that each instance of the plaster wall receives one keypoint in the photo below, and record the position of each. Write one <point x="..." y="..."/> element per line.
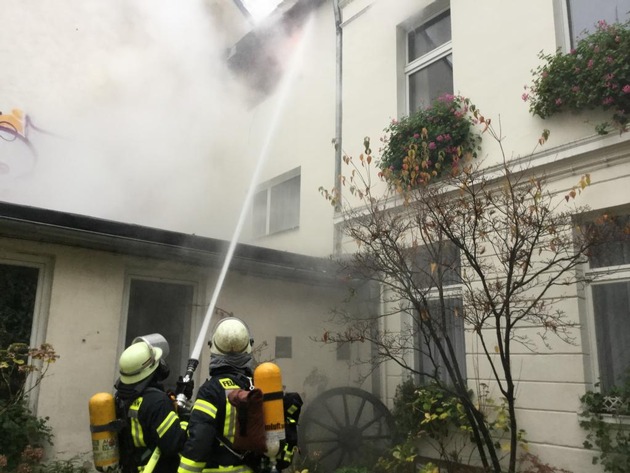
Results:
<point x="85" y="324"/>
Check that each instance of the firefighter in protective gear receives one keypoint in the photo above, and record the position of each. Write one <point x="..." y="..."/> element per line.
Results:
<point x="211" y="418"/>
<point x="152" y="419"/>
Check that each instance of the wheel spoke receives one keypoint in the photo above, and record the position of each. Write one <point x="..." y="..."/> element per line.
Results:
<point x="332" y="415"/>
<point x="376" y="419"/>
<point x="321" y="440"/>
<point x="359" y="412"/>
<point x="341" y="457"/>
<point x="330" y="428"/>
<point x="346" y="411"/>
<point x="330" y="451"/>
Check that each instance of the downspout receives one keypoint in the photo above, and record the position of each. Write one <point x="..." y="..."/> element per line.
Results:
<point x="338" y="106"/>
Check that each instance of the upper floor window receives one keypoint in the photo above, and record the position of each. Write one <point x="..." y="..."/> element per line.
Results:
<point x="610" y="301"/>
<point x="584" y="14"/>
<point x="429" y="67"/>
<point x="276" y="205"/>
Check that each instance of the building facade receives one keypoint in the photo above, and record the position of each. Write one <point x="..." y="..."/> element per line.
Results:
<point x="306" y="85"/>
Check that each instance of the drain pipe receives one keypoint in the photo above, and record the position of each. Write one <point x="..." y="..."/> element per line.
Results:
<point x="338" y="102"/>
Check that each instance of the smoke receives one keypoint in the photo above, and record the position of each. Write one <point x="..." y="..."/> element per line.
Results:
<point x="134" y="115"/>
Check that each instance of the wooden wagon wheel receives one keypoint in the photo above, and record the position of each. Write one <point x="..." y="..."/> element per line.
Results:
<point x="345" y="426"/>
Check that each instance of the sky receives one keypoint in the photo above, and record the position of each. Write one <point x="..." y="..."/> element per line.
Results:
<point x="129" y="106"/>
<point x="259" y="9"/>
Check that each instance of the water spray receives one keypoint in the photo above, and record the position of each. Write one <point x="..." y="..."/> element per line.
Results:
<point x="285" y="87"/>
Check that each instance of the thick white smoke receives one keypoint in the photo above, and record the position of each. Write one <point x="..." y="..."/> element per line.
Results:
<point x="145" y="123"/>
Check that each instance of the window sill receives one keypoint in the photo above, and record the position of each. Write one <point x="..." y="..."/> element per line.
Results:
<point x="622" y="421"/>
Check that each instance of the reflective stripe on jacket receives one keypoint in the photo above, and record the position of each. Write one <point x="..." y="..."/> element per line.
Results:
<point x="213" y="417"/>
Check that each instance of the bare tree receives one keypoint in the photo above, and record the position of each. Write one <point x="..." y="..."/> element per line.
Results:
<point x="488" y="250"/>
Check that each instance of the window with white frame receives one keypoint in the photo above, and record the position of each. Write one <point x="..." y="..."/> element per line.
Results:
<point x="438" y="269"/>
<point x="609" y="268"/>
<point x="25" y="284"/>
<point x="584" y="14"/>
<point x="429" y="62"/>
<point x="276" y="204"/>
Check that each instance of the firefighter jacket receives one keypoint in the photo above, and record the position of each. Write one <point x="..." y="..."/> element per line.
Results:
<point x="154" y="423"/>
<point x="212" y="420"/>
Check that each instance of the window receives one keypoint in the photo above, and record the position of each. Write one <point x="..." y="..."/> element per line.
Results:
<point x="284" y="347"/>
<point x="18" y="288"/>
<point x="584" y="14"/>
<point x="164" y="308"/>
<point x="429" y="358"/>
<point x="343" y="351"/>
<point x="276" y="205"/>
<point x="25" y="285"/>
<point x="438" y="266"/>
<point x="610" y="301"/>
<point x="429" y="62"/>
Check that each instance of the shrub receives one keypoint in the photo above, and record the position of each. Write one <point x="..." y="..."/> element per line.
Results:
<point x="609" y="436"/>
<point x="594" y="75"/>
<point x="430" y="142"/>
<point x="22" y="434"/>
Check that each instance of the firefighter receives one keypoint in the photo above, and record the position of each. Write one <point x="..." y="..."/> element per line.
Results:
<point x="152" y="420"/>
<point x="231" y="367"/>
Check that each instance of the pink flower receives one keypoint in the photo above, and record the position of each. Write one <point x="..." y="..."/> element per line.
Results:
<point x="432" y="145"/>
<point x="416" y="135"/>
<point x="447" y="137"/>
<point x="608" y="77"/>
<point x="590" y="64"/>
<point x="558" y="101"/>
<point x="440" y="138"/>
<point x="626" y="89"/>
<point x="573" y="51"/>
<point x="575" y="89"/>
<point x="525" y="96"/>
<point x="608" y="101"/>
<point x="609" y="60"/>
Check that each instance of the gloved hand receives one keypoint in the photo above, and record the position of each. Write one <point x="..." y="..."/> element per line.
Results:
<point x="184" y="388"/>
<point x="184" y="414"/>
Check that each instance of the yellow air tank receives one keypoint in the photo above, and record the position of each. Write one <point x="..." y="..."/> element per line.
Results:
<point x="104" y="437"/>
<point x="268" y="378"/>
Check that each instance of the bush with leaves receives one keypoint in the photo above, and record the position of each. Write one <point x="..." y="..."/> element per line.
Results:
<point x="608" y="426"/>
<point x="22" y="434"/>
<point x="431" y="142"/>
<point x="594" y="75"/>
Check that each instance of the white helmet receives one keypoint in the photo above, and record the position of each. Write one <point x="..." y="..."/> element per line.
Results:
<point x="138" y="361"/>
<point x="231" y="336"/>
